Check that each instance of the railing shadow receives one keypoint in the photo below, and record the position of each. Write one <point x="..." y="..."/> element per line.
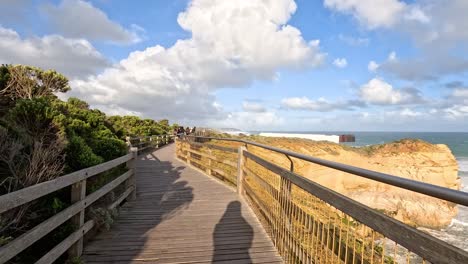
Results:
<point x="232" y="227"/>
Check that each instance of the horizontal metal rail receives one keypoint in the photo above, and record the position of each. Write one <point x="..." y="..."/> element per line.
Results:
<point x="443" y="193"/>
<point x="409" y="237"/>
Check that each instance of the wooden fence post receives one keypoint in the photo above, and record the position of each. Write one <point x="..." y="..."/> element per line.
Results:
<point x="240" y="172"/>
<point x="132" y="180"/>
<point x="78" y="193"/>
<point x="188" y="155"/>
<point x="209" y="162"/>
<point x="129" y="143"/>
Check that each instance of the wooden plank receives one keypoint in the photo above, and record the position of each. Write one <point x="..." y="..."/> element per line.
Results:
<point x="16" y="246"/>
<point x="424" y="245"/>
<point x="212" y="146"/>
<point x="225" y="162"/>
<point x="211" y="157"/>
<point x="226" y="149"/>
<point x="58" y="250"/>
<point x="181" y="215"/>
<point x="20" y="197"/>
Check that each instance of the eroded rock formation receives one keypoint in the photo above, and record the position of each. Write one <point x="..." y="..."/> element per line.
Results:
<point x="412" y="159"/>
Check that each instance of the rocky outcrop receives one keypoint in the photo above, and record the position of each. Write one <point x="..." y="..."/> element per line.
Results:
<point x="412" y="159"/>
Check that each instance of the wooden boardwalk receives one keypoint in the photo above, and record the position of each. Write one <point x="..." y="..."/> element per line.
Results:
<point x="181" y="216"/>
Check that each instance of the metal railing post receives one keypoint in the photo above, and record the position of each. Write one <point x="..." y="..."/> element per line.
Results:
<point x="240" y="172"/>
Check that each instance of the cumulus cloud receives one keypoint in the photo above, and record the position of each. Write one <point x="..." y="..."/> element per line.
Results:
<point x="80" y="19"/>
<point x="429" y="67"/>
<point x="379" y="92"/>
<point x="319" y="105"/>
<point x="233" y="43"/>
<point x="372" y="66"/>
<point x="438" y="29"/>
<point x="340" y="62"/>
<point x="371" y="13"/>
<point x="73" y="57"/>
<point x="415" y="13"/>
<point x="253" y="107"/>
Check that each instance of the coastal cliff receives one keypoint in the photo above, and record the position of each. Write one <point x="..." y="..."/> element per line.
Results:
<point x="408" y="158"/>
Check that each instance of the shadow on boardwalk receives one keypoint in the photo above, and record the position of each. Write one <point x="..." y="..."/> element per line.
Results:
<point x="162" y="193"/>
<point x="181" y="215"/>
<point x="224" y="230"/>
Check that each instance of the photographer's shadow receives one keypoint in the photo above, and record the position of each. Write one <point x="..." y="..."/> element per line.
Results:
<point x="232" y="235"/>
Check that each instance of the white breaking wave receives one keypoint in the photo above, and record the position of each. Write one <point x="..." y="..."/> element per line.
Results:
<point x="458" y="222"/>
<point x="463" y="164"/>
<point x="317" y="137"/>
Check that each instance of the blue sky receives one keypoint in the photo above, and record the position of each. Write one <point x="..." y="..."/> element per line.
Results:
<point x="355" y="65"/>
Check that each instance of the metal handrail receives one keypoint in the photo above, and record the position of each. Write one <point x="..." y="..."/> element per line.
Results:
<point x="432" y="190"/>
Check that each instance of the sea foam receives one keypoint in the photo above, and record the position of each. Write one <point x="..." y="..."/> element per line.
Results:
<point x="458" y="222"/>
<point x="463" y="164"/>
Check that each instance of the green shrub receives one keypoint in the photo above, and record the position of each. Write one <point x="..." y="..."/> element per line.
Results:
<point x="79" y="155"/>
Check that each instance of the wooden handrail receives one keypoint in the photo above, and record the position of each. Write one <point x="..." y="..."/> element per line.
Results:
<point x="74" y="242"/>
<point x="146" y="142"/>
<point x="25" y="195"/>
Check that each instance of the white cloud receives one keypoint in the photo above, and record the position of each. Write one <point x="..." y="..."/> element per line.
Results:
<point x="410" y="113"/>
<point x="319" y="105"/>
<point x="73" y="57"/>
<point x="438" y="29"/>
<point x="233" y="43"/>
<point x="380" y="13"/>
<point x="415" y="13"/>
<point x="249" y="121"/>
<point x="253" y="107"/>
<point x="377" y="91"/>
<point x="392" y="56"/>
<point x="430" y="66"/>
<point x="340" y="62"/>
<point x="456" y="111"/>
<point x="80" y="19"/>
<point x="372" y="13"/>
<point x="354" y="41"/>
<point x="372" y="66"/>
<point x="460" y="93"/>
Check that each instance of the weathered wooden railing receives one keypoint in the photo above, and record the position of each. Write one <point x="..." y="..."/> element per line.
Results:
<point x="310" y="223"/>
<point x="75" y="212"/>
<point x="80" y="201"/>
<point x="143" y="143"/>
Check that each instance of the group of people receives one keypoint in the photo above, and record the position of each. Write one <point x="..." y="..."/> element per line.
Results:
<point x="184" y="131"/>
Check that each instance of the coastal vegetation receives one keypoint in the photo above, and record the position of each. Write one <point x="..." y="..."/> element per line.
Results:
<point x="43" y="137"/>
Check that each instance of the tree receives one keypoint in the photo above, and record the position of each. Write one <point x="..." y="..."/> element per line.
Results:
<point x="27" y="82"/>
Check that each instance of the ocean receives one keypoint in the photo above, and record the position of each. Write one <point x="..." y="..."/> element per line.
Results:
<point x="457" y="232"/>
